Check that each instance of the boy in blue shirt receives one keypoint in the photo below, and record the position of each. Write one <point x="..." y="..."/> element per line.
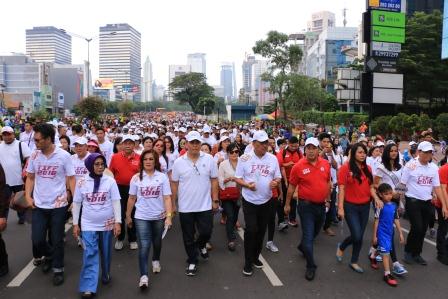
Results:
<point x="383" y="229"/>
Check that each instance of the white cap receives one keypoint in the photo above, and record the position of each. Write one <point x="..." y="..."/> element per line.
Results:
<point x="154" y="135"/>
<point x="61" y="124"/>
<point x="193" y="135"/>
<point x="390" y="142"/>
<point x="363" y="139"/>
<point x="136" y="137"/>
<point x="223" y="138"/>
<point x="379" y="143"/>
<point x="80" y="140"/>
<point x="425" y="146"/>
<point x="312" y="141"/>
<point x="223" y="131"/>
<point x="412" y="143"/>
<point x="7" y="129"/>
<point x="206" y="130"/>
<point x="260" y="136"/>
<point x="176" y="130"/>
<point x="182" y="129"/>
<point x="127" y="137"/>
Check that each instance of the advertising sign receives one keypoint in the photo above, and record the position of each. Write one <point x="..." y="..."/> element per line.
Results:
<point x="104" y="84"/>
<point x="391" y="5"/>
<point x="60" y="100"/>
<point x="387" y="47"/>
<point x="388" y="19"/>
<point x="388" y="34"/>
<point x="385" y="54"/>
<point x="381" y="65"/>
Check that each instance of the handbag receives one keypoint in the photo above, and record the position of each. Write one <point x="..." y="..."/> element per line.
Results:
<point x="18" y="202"/>
<point x="229" y="193"/>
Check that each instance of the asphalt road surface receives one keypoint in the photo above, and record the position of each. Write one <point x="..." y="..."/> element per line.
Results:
<point x="221" y="276"/>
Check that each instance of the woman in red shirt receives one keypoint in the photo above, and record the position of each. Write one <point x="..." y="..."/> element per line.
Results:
<point x="355" y="192"/>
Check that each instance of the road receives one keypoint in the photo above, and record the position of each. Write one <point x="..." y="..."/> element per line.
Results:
<point x="221" y="276"/>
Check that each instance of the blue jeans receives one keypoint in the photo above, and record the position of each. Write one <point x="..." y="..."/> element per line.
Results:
<point x="148" y="231"/>
<point x="312" y="217"/>
<point x="231" y="209"/>
<point x="95" y="244"/>
<point x="52" y="220"/>
<point x="356" y="217"/>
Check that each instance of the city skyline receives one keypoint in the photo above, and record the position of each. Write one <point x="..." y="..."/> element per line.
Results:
<point x="166" y="41"/>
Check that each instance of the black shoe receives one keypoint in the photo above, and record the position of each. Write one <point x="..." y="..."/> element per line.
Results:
<point x="310" y="273"/>
<point x="248" y="270"/>
<point x="46" y="265"/>
<point x="106" y="279"/>
<point x="4" y="269"/>
<point x="231" y="246"/>
<point x="301" y="250"/>
<point x="443" y="259"/>
<point x="191" y="270"/>
<point x="58" y="278"/>
<point x="408" y="258"/>
<point x="21" y="221"/>
<point x="204" y="253"/>
<point x="87" y="295"/>
<point x="258" y="264"/>
<point x="419" y="260"/>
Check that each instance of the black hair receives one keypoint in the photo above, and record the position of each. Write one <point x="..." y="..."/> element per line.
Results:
<point x="142" y="158"/>
<point x="232" y="146"/>
<point x="76" y="129"/>
<point x="293" y="139"/>
<point x="66" y="138"/>
<point x="354" y="167"/>
<point x="46" y="130"/>
<point x="117" y="142"/>
<point x="170" y="140"/>
<point x="385" y="159"/>
<point x="322" y="136"/>
<point x="207" y="145"/>
<point x="220" y="145"/>
<point x="281" y="141"/>
<point x="383" y="188"/>
<point x="178" y="143"/>
<point x="146" y="138"/>
<point x="99" y="128"/>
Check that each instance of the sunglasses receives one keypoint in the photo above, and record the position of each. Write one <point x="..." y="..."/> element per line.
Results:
<point x="235" y="152"/>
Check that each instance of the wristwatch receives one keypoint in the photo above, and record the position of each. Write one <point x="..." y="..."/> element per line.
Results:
<point x="216" y="201"/>
<point x="169" y="215"/>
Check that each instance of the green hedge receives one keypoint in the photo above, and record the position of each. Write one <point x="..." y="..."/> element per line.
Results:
<point x="331" y="118"/>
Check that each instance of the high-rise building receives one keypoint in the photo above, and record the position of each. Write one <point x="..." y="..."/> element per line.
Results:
<point x="247" y="74"/>
<point x="227" y="81"/>
<point x="320" y="21"/>
<point x="147" y="95"/>
<point x="177" y="70"/>
<point x="426" y="6"/>
<point x="259" y="92"/>
<point x="197" y="63"/>
<point x="120" y="56"/>
<point x="49" y="44"/>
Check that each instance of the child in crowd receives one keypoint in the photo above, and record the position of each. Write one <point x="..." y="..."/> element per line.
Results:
<point x="383" y="230"/>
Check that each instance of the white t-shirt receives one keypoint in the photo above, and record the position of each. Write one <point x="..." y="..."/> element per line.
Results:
<point x="261" y="171"/>
<point x="79" y="166"/>
<point x="373" y="163"/>
<point x="97" y="208"/>
<point x="107" y="148"/>
<point x="171" y="158"/>
<point x="150" y="192"/>
<point x="420" y="179"/>
<point x="163" y="164"/>
<point x="221" y="154"/>
<point x="194" y="192"/>
<point x="10" y="160"/>
<point x="386" y="176"/>
<point x="50" y="190"/>
<point x="28" y="139"/>
<point x="210" y="140"/>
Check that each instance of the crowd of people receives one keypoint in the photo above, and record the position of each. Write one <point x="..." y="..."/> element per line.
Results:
<point x="126" y="178"/>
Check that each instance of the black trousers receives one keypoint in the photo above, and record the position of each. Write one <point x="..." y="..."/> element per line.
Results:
<point x="189" y="222"/>
<point x="293" y="212"/>
<point x="442" y="239"/>
<point x="330" y="216"/>
<point x="420" y="213"/>
<point x="256" y="218"/>
<point x="20" y="214"/>
<point x="3" y="253"/>
<point x="132" y="235"/>
<point x="276" y="209"/>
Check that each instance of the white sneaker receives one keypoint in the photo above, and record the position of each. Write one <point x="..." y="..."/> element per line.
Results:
<point x="118" y="245"/>
<point x="143" y="284"/>
<point x="271" y="246"/>
<point x="156" y="268"/>
<point x="133" y="245"/>
<point x="282" y="226"/>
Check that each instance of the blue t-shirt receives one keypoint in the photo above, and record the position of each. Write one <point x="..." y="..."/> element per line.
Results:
<point x="385" y="232"/>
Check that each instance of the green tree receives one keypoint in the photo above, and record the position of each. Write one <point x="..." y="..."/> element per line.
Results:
<point x="91" y="107"/>
<point x="304" y="93"/>
<point x="441" y="125"/>
<point x="192" y="89"/>
<point x="126" y="107"/>
<point x="284" y="59"/>
<point x="206" y="105"/>
<point x="40" y="115"/>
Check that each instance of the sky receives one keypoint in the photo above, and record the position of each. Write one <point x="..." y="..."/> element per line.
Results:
<point x="170" y="29"/>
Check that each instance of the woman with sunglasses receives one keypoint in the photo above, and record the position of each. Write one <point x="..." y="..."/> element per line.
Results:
<point x="159" y="148"/>
<point x="99" y="198"/>
<point x="221" y="155"/>
<point x="229" y="192"/>
<point x="150" y="193"/>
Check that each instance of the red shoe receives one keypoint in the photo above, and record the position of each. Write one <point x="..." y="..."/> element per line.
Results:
<point x="373" y="263"/>
<point x="390" y="280"/>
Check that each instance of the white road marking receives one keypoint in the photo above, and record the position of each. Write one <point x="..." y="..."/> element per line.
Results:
<point x="20" y="278"/>
<point x="273" y="278"/>
<point x="426" y="240"/>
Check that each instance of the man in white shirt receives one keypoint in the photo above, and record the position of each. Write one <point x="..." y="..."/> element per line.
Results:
<point x="206" y="138"/>
<point x="13" y="156"/>
<point x="106" y="147"/>
<point x="258" y="173"/>
<point x="27" y="136"/>
<point x="195" y="184"/>
<point x="49" y="168"/>
<point x="79" y="157"/>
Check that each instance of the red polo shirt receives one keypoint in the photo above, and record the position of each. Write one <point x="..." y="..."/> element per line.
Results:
<point x="355" y="192"/>
<point x="288" y="157"/>
<point x="312" y="180"/>
<point x="124" y="167"/>
<point x="443" y="175"/>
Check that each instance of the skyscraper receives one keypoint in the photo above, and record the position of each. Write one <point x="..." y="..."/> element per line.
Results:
<point x="49" y="44"/>
<point x="120" y="56"/>
<point x="147" y="95"/>
<point x="197" y="63"/>
<point x="227" y="79"/>
<point x="247" y="74"/>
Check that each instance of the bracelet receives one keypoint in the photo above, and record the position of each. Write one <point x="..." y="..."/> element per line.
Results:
<point x="169" y="214"/>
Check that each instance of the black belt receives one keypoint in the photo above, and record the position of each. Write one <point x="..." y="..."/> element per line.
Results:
<point x="413" y="199"/>
<point x="309" y="202"/>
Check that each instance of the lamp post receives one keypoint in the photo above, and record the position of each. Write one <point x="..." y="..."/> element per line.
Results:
<point x="88" y="40"/>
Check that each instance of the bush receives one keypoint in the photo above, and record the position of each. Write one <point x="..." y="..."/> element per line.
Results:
<point x="441" y="125"/>
<point x="331" y="118"/>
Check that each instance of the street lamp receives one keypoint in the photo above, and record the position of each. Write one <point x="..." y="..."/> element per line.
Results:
<point x="88" y="40"/>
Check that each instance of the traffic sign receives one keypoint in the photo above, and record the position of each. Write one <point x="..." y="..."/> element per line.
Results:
<point x="388" y="19"/>
<point x="381" y="65"/>
<point x="388" y="47"/>
<point x="388" y="34"/>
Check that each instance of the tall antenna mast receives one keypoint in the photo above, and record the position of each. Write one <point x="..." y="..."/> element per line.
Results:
<point x="344" y="12"/>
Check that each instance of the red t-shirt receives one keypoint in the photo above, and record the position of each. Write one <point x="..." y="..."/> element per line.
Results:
<point x="289" y="156"/>
<point x="124" y="167"/>
<point x="354" y="192"/>
<point x="443" y="175"/>
<point x="182" y="152"/>
<point x="312" y="180"/>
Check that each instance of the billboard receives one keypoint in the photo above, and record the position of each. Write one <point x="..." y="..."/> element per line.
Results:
<point x="445" y="31"/>
<point x="391" y="5"/>
<point x="388" y="34"/>
<point x="388" y="19"/>
<point x="104" y="84"/>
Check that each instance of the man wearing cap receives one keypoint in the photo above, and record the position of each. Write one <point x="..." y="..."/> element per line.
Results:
<point x="124" y="165"/>
<point x="27" y="136"/>
<point x="195" y="186"/>
<point x="257" y="173"/>
<point x="81" y="153"/>
<point x="13" y="156"/>
<point x="311" y="176"/>
<point x="421" y="178"/>
<point x="206" y="138"/>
